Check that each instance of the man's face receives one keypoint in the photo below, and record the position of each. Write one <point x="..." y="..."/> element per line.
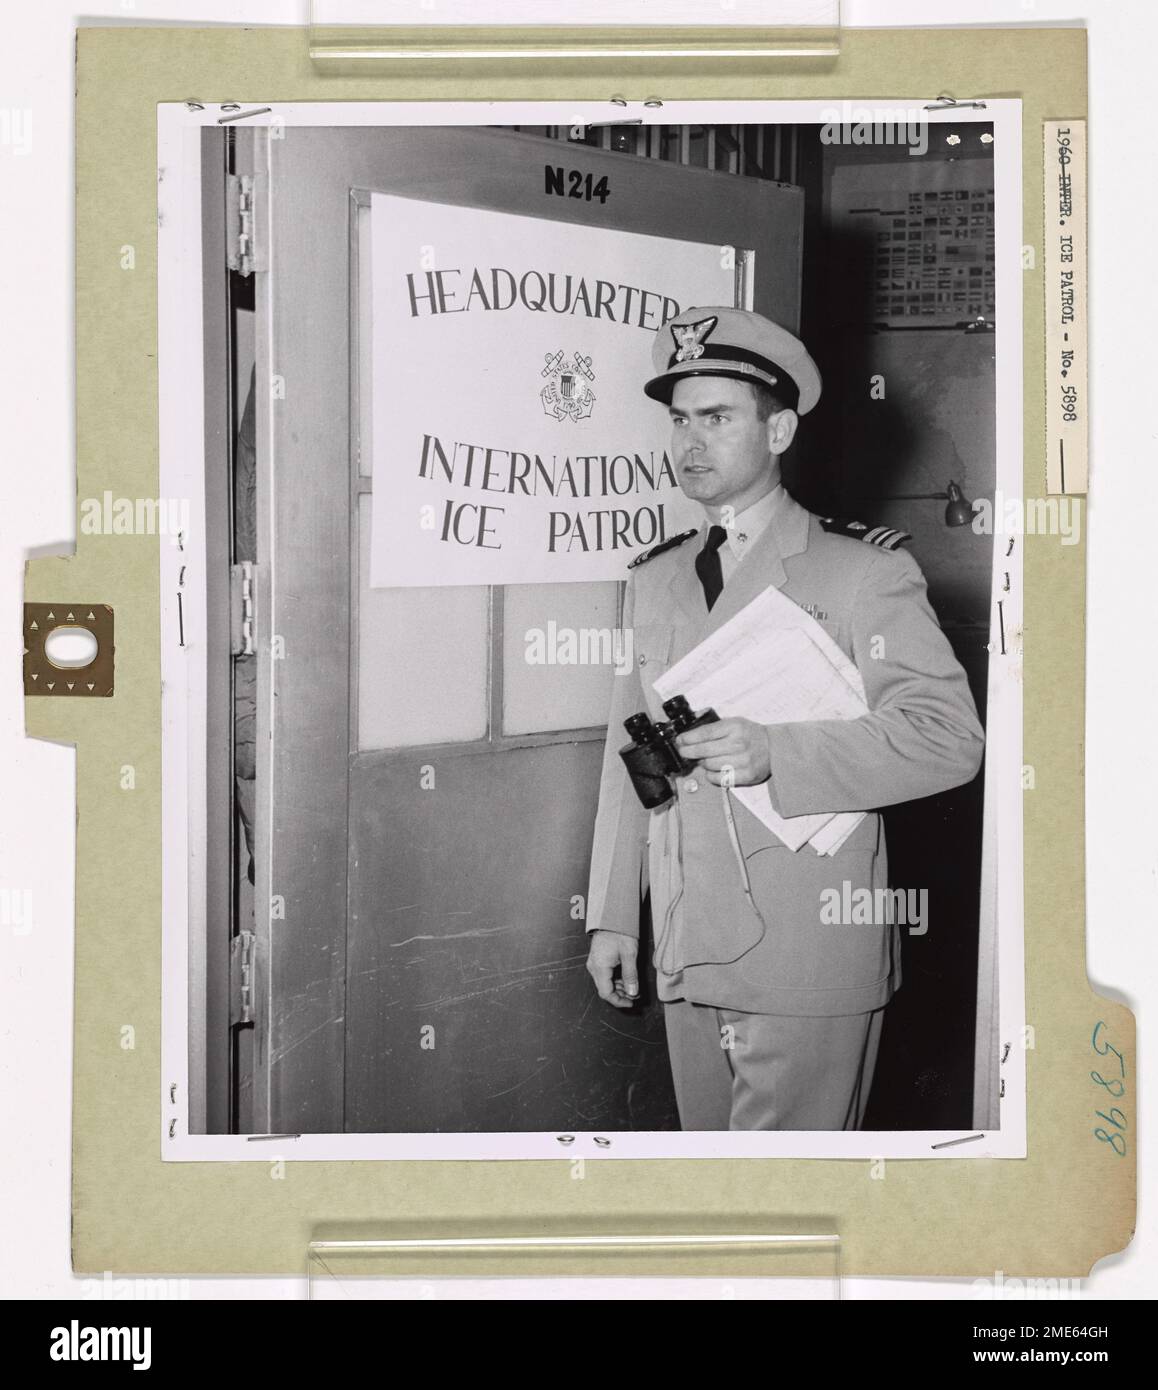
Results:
<point x="722" y="451"/>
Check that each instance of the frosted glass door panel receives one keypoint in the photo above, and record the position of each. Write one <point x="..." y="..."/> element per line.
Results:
<point x="422" y="660"/>
<point x="560" y="645"/>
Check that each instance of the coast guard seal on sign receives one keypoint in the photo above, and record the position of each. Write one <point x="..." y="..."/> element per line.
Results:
<point x="568" y="393"/>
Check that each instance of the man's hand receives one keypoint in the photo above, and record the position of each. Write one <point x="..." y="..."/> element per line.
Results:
<point x="733" y="752"/>
<point x="610" y="949"/>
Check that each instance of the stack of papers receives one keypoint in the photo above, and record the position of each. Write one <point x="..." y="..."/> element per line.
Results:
<point x="774" y="664"/>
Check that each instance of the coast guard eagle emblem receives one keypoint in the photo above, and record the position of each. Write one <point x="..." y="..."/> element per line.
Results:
<point x="567" y="394"/>
<point x="690" y="338"/>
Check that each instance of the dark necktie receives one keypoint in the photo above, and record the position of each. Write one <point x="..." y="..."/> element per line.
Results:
<point x="708" y="566"/>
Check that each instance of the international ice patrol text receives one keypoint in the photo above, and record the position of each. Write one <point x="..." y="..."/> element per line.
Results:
<point x="598" y="476"/>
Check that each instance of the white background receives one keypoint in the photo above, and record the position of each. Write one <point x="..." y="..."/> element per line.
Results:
<point x="37" y="844"/>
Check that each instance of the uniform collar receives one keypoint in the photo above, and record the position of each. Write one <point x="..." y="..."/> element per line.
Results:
<point x="785" y="535"/>
<point x="750" y="524"/>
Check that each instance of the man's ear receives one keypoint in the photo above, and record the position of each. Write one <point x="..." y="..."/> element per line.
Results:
<point x="781" y="427"/>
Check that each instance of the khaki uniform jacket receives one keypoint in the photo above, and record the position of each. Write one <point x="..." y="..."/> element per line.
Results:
<point x="737" y="919"/>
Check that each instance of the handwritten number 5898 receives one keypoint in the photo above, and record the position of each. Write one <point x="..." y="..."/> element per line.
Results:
<point x="1116" y="1086"/>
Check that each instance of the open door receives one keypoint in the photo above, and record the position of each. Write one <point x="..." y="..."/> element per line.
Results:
<point x="420" y="963"/>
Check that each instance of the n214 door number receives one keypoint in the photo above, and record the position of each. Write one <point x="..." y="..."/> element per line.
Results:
<point x="574" y="183"/>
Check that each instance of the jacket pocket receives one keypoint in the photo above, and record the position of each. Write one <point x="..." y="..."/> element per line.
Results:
<point x="652" y="647"/>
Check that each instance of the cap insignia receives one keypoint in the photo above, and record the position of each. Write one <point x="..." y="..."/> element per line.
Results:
<point x="690" y="338"/>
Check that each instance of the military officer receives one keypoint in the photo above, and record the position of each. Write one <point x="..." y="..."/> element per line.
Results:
<point x="772" y="1013"/>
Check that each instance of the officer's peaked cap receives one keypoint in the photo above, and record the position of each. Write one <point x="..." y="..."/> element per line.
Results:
<point x="719" y="341"/>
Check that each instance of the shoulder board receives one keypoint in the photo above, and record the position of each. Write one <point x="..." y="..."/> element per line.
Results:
<point x="669" y="544"/>
<point x="884" y="536"/>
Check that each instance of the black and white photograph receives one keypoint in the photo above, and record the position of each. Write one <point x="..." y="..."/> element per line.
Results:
<point x="590" y="629"/>
<point x="580" y="730"/>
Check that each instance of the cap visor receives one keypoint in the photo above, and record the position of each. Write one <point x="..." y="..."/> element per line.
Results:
<point x="660" y="388"/>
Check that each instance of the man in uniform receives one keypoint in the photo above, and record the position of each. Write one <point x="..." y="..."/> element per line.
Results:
<point x="773" y="1014"/>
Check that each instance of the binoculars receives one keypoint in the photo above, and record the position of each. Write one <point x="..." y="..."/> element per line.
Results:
<point x="652" y="758"/>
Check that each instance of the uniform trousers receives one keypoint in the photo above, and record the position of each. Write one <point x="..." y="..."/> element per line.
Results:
<point x="736" y="1070"/>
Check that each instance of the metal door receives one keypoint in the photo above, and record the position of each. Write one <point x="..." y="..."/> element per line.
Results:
<point x="421" y="964"/>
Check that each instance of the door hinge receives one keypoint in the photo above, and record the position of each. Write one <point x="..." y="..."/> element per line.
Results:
<point x="241" y="952"/>
<point x="241" y="609"/>
<point x="242" y="242"/>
